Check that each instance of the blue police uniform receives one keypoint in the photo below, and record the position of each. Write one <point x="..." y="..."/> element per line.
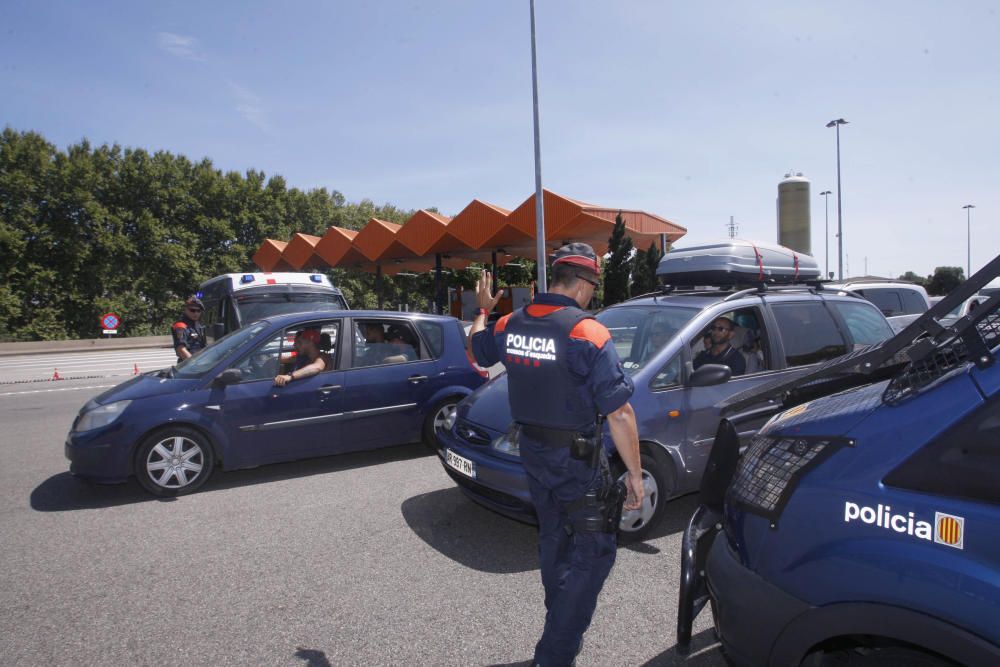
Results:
<point x="563" y="371"/>
<point x="188" y="333"/>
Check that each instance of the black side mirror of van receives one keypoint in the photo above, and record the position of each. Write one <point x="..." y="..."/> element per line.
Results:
<point x="710" y="374"/>
<point x="217" y="330"/>
<point x="228" y="376"/>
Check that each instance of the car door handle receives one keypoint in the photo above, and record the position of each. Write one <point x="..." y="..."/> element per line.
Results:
<point x="414" y="379"/>
<point x="329" y="388"/>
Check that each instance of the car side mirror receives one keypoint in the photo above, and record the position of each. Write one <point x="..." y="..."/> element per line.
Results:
<point x="228" y="376"/>
<point x="710" y="374"/>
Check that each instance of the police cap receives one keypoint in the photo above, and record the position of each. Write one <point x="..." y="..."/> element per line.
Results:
<point x="194" y="302"/>
<point x="579" y="255"/>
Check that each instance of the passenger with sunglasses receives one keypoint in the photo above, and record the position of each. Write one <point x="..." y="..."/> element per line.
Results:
<point x="188" y="332"/>
<point x="720" y="351"/>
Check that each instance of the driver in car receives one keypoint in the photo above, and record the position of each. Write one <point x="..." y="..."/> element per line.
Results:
<point x="309" y="360"/>
<point x="721" y="352"/>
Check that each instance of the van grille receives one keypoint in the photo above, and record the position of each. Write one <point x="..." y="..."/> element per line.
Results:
<point x="771" y="467"/>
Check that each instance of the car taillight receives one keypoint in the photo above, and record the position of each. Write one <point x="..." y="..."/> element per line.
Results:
<point x="771" y="468"/>
<point x="476" y="367"/>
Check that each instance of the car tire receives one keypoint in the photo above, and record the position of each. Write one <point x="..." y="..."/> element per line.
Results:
<point x="658" y="482"/>
<point x="174" y="461"/>
<point x="435" y="417"/>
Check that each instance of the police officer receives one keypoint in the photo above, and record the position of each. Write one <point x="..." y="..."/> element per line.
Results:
<point x="563" y="376"/>
<point x="188" y="332"/>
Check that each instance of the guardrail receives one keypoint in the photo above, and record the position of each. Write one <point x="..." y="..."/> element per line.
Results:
<point x="86" y="345"/>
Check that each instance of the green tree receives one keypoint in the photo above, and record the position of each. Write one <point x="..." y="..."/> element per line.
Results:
<point x="914" y="278"/>
<point x="644" y="266"/>
<point x="944" y="280"/>
<point x="618" y="266"/>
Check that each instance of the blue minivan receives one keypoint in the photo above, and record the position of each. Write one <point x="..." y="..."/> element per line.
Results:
<point x="862" y="525"/>
<point x="221" y="407"/>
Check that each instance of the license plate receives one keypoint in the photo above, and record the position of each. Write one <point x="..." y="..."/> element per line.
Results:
<point x="460" y="463"/>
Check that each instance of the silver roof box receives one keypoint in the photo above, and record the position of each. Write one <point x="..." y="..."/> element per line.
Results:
<point x="736" y="262"/>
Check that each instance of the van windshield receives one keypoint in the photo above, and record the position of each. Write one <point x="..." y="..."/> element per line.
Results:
<point x="639" y="332"/>
<point x="253" y="307"/>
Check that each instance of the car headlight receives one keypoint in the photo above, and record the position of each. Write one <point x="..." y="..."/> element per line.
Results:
<point x="102" y="415"/>
<point x="509" y="442"/>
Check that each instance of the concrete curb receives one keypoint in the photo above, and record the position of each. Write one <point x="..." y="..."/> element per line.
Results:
<point x="58" y="346"/>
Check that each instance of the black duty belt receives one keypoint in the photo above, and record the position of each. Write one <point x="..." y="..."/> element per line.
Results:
<point x="553" y="437"/>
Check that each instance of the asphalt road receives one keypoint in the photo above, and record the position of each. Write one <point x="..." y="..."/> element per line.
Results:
<point x="371" y="558"/>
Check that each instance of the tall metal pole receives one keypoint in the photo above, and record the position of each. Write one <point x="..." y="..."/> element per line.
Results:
<point x="539" y="205"/>
<point x="968" y="239"/>
<point x="826" y="205"/>
<point x="840" y="218"/>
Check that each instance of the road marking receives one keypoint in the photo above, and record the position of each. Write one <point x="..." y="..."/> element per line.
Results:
<point x="44" y="391"/>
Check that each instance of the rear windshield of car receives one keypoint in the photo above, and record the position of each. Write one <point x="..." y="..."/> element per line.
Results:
<point x="639" y="332"/>
<point x="255" y="307"/>
<point x="895" y="301"/>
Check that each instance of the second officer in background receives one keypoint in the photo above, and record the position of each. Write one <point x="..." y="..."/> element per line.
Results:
<point x="564" y="377"/>
<point x="188" y="332"/>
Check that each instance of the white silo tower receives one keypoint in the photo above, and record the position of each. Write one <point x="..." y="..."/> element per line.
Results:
<point x="793" y="213"/>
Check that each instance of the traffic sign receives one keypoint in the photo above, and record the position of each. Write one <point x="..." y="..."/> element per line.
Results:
<point x="110" y="322"/>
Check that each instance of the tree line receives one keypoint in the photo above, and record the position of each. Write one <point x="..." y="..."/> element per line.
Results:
<point x="90" y="230"/>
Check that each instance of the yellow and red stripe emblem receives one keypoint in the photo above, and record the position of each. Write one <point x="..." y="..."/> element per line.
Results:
<point x="949" y="529"/>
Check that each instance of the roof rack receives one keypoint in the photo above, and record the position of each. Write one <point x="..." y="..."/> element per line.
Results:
<point x="918" y="355"/>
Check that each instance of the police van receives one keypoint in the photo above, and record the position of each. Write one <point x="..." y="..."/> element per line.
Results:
<point x="861" y="525"/>
<point x="233" y="300"/>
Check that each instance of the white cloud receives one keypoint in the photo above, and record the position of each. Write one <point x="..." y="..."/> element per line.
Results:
<point x="181" y="46"/>
<point x="250" y="106"/>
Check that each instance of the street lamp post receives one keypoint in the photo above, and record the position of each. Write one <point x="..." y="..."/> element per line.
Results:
<point x="968" y="239"/>
<point x="840" y="218"/>
<point x="539" y="199"/>
<point x="826" y="205"/>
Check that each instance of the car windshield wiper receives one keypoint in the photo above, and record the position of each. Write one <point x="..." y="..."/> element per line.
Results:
<point x="168" y="372"/>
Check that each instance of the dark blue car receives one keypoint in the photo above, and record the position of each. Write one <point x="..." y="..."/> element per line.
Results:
<point x="863" y="526"/>
<point x="221" y="407"/>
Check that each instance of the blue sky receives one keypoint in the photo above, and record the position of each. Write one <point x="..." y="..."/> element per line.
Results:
<point x="692" y="111"/>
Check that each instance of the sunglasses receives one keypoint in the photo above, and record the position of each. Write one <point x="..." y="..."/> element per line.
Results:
<point x="194" y="310"/>
<point x="588" y="280"/>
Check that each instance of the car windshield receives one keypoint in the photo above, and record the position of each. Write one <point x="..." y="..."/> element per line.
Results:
<point x="255" y="307"/>
<point x="205" y="360"/>
<point x="639" y="332"/>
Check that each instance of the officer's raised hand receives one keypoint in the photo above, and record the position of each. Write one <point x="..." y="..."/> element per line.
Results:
<point x="484" y="292"/>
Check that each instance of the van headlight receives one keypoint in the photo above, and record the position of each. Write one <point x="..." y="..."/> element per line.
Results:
<point x="509" y="443"/>
<point x="101" y="415"/>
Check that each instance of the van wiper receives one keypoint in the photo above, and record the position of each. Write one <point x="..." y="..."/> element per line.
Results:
<point x="168" y="372"/>
<point x="920" y="353"/>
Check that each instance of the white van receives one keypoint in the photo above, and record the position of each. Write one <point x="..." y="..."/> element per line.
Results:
<point x="233" y="300"/>
<point x="900" y="301"/>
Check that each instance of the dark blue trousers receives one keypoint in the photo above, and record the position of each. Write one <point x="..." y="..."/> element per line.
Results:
<point x="574" y="565"/>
